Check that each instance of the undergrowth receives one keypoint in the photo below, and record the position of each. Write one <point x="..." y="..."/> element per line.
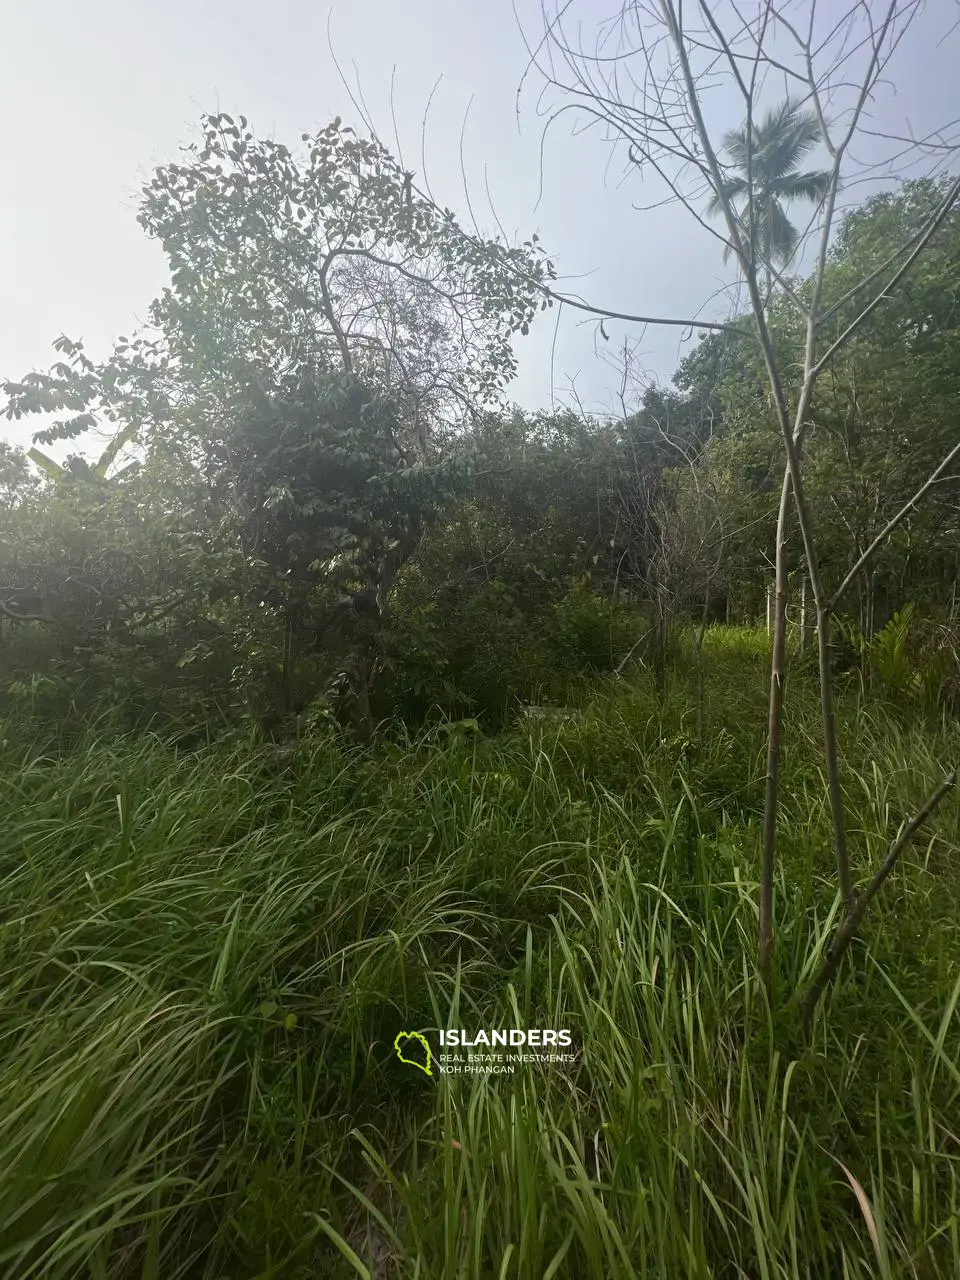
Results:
<point x="205" y="957"/>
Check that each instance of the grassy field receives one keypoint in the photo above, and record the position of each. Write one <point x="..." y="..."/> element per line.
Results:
<point x="206" y="956"/>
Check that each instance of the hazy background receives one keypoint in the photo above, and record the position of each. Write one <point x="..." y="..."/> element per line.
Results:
<point x="93" y="97"/>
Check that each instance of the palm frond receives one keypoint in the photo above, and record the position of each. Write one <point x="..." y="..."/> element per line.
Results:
<point x="732" y="188"/>
<point x="783" y="147"/>
<point x="735" y="145"/>
<point x="812" y="186"/>
<point x="767" y="138"/>
<point x="778" y="234"/>
<point x="777" y="120"/>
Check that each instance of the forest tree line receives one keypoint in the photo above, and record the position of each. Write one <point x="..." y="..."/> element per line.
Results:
<point x="315" y="500"/>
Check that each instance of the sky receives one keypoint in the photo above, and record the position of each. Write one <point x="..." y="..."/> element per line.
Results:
<point x="95" y="96"/>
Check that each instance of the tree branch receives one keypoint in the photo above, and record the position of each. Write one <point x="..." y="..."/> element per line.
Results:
<point x="848" y="930"/>
<point x="22" y="617"/>
<point x="888" y="528"/>
<point x="895" y="279"/>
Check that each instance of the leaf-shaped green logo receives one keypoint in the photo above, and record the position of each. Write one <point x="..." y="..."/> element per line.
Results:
<point x="402" y="1042"/>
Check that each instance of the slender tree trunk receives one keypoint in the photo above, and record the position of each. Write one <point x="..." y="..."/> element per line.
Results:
<point x="288" y="666"/>
<point x="698" y="633"/>
<point x="777" y="619"/>
<point x="804" y="615"/>
<point x="775" y="716"/>
<point x="663" y="627"/>
<point x="831" y="760"/>
<point x="865" y="666"/>
<point x="771" y="591"/>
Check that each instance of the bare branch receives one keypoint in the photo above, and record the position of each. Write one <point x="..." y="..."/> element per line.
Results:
<point x="848" y="929"/>
<point x="888" y="529"/>
<point x="894" y="280"/>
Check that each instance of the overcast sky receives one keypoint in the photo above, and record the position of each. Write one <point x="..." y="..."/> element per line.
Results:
<point x="94" y="96"/>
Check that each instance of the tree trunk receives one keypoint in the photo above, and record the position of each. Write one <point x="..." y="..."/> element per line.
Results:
<point x="830" y="754"/>
<point x="289" y="661"/>
<point x="660" y="655"/>
<point x="698" y="632"/>
<point x="804" y="615"/>
<point x="777" y="619"/>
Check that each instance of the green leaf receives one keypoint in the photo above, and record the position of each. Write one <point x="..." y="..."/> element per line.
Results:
<point x="45" y="463"/>
<point x="120" y="440"/>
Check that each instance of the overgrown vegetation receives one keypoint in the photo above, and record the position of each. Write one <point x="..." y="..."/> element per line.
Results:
<point x="208" y="953"/>
<point x="339" y="697"/>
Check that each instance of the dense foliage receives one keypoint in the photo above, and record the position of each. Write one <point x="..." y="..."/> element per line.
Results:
<point x="313" y="513"/>
<point x="338" y="696"/>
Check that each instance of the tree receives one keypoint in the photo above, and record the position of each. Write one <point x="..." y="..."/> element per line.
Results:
<point x="326" y="335"/>
<point x="886" y="410"/>
<point x="645" y="82"/>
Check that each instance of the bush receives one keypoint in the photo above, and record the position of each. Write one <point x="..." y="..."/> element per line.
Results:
<point x="588" y="633"/>
<point x="483" y="654"/>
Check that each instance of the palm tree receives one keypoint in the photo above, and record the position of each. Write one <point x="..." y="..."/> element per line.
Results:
<point x="767" y="163"/>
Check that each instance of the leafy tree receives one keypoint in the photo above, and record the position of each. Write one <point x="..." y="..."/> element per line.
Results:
<point x="886" y="412"/>
<point x="326" y="334"/>
<point x="17" y="480"/>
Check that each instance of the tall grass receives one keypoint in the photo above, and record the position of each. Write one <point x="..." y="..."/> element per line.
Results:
<point x="205" y="957"/>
